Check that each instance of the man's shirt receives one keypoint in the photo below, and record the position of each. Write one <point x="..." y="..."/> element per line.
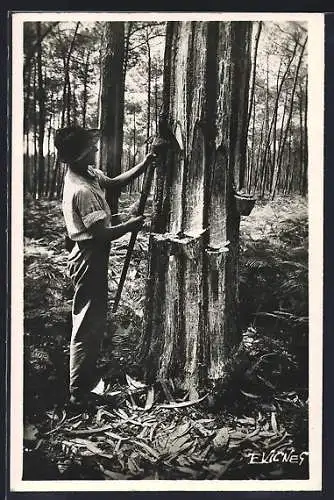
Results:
<point x="84" y="203"/>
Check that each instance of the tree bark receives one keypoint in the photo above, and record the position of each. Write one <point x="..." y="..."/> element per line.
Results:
<point x="190" y="315"/>
<point x="112" y="105"/>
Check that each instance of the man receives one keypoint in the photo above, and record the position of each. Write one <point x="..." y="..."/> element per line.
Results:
<point x="89" y="225"/>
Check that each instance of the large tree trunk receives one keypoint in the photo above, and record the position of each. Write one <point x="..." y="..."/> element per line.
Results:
<point x="192" y="290"/>
<point x="112" y="105"/>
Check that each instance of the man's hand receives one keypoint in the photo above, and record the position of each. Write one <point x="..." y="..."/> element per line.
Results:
<point x="135" y="223"/>
<point x="150" y="158"/>
<point x="102" y="233"/>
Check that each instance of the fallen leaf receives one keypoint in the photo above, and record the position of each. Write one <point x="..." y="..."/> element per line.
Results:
<point x="246" y="421"/>
<point x="202" y="430"/>
<point x="175" y="451"/>
<point x="184" y="404"/>
<point x="202" y="456"/>
<point x="265" y="433"/>
<point x="238" y="435"/>
<point x="148" y="448"/>
<point x="149" y="399"/>
<point x="121" y="413"/>
<point x="220" y="441"/>
<point x="134" y="384"/>
<point x="249" y="394"/>
<point x="101" y="412"/>
<point x="113" y="435"/>
<point x="180" y="431"/>
<point x="91" y="447"/>
<point x="83" y="432"/>
<point x="273" y="422"/>
<point x="99" y="388"/>
<point x="154" y="426"/>
<point x="132" y="466"/>
<point x="118" y="445"/>
<point x="175" y="444"/>
<point x="112" y="393"/>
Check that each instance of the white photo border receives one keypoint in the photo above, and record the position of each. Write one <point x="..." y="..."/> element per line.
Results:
<point x="316" y="23"/>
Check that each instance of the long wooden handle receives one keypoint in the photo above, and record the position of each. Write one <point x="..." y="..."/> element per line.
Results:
<point x="148" y="177"/>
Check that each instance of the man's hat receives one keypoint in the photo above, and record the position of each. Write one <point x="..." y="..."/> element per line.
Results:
<point x="74" y="142"/>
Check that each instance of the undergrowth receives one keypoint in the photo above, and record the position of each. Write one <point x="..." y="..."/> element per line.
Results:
<point x="274" y="268"/>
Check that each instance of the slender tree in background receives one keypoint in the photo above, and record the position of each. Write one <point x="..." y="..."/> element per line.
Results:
<point x="285" y="133"/>
<point x="252" y="104"/>
<point x="35" y="128"/>
<point x="41" y="113"/>
<point x="112" y="104"/>
<point x="65" y="112"/>
<point x="305" y="149"/>
<point x="32" y="46"/>
<point x="149" y="71"/>
<point x="67" y="84"/>
<point x="85" y="90"/>
<point x="192" y="293"/>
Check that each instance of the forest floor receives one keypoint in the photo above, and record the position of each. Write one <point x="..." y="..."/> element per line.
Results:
<point x="255" y="426"/>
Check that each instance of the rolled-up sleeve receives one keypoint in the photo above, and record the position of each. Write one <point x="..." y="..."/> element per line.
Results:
<point x="89" y="208"/>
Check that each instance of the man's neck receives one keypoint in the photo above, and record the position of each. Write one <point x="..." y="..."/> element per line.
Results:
<point x="85" y="171"/>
